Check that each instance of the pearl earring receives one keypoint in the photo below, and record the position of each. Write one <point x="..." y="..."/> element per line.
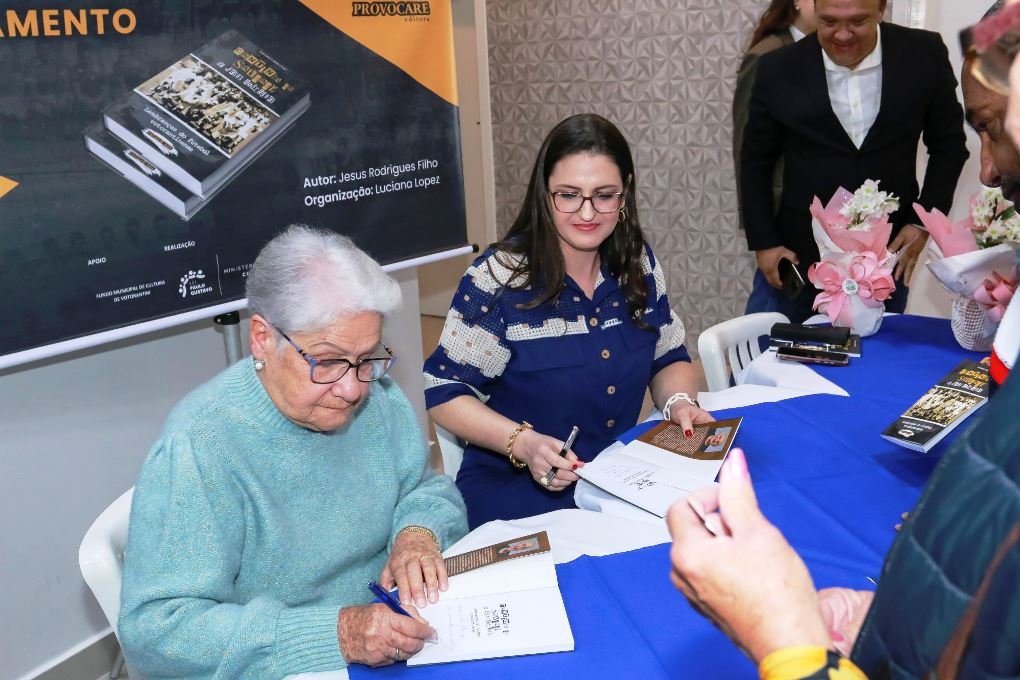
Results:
<point x="259" y="364"/>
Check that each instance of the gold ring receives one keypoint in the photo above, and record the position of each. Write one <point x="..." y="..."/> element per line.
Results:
<point x="423" y="557"/>
<point x="543" y="480"/>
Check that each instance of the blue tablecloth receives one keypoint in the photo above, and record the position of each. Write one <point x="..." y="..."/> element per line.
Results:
<point x="823" y="475"/>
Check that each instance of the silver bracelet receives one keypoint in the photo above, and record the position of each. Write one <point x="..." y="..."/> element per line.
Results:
<point x="679" y="396"/>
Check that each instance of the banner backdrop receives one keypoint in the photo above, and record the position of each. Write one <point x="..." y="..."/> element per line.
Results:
<point x="149" y="149"/>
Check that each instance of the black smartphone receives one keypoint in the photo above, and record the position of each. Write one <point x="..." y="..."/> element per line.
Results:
<point x="793" y="282"/>
<point x="813" y="356"/>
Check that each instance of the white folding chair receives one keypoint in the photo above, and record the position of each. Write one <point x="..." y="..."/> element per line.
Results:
<point x="452" y="449"/>
<point x="101" y="560"/>
<point x="734" y="342"/>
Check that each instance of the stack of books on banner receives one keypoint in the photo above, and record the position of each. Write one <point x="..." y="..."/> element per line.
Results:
<point x="191" y="129"/>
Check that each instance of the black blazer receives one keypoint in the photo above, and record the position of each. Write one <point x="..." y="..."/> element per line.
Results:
<point x="791" y="117"/>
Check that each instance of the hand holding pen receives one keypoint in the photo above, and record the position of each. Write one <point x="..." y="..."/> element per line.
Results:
<point x="546" y="479"/>
<point x="376" y="635"/>
<point x="394" y="606"/>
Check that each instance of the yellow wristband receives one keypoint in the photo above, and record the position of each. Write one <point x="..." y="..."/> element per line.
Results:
<point x="525" y="425"/>
<point x="793" y="663"/>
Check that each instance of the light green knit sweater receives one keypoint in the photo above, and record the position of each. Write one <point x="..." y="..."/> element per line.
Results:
<point x="249" y="533"/>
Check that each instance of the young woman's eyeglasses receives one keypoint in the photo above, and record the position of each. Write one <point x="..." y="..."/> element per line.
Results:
<point x="991" y="44"/>
<point x="326" y="371"/>
<point x="573" y="201"/>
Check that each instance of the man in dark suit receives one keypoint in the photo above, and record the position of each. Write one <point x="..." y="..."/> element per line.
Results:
<point x="847" y="104"/>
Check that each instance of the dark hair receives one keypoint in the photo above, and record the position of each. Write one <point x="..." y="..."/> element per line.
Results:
<point x="779" y="16"/>
<point x="533" y="233"/>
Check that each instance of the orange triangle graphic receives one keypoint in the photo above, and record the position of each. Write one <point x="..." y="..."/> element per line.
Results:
<point x="6" y="185"/>
<point x="416" y="37"/>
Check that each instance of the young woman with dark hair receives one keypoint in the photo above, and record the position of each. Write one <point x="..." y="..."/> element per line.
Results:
<point x="565" y="322"/>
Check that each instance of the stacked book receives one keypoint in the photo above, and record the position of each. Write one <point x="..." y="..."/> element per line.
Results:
<point x="191" y="129"/>
<point x="832" y="346"/>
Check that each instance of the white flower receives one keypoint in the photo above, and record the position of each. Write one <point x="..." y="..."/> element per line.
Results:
<point x="994" y="217"/>
<point x="868" y="205"/>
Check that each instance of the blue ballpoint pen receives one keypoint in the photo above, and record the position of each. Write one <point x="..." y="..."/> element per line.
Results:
<point x="386" y="598"/>
<point x="392" y="603"/>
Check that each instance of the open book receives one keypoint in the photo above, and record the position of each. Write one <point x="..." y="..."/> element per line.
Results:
<point x="662" y="466"/>
<point x="503" y="601"/>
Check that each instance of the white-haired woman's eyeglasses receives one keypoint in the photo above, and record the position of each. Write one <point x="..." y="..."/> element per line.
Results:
<point x="326" y="371"/>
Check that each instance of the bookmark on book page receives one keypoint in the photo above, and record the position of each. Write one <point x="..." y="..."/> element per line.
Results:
<point x="662" y="466"/>
<point x="497" y="552"/>
<point x="700" y="455"/>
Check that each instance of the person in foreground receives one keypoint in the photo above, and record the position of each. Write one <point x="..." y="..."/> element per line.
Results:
<point x="985" y="111"/>
<point x="1007" y="71"/>
<point x="563" y="323"/>
<point x="948" y="601"/>
<point x="278" y="489"/>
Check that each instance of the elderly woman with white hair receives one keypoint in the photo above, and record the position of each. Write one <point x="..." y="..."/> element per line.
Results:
<point x="278" y="489"/>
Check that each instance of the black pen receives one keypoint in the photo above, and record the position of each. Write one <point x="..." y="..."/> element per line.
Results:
<point x="551" y="475"/>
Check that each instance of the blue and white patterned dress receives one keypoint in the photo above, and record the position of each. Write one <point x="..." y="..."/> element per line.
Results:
<point x="570" y="362"/>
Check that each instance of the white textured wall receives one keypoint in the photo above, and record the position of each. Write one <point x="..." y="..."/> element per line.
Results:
<point x="73" y="433"/>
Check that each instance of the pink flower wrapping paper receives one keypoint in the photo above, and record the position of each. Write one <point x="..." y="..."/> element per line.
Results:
<point x="854" y="272"/>
<point x="986" y="276"/>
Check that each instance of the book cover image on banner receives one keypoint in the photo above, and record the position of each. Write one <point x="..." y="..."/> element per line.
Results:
<point x="149" y="150"/>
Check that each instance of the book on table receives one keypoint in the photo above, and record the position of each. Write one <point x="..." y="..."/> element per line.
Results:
<point x="663" y="466"/>
<point x="944" y="406"/>
<point x="503" y="600"/>
<point x="207" y="115"/>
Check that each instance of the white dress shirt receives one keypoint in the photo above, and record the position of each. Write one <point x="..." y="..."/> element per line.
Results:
<point x="856" y="95"/>
<point x="796" y="33"/>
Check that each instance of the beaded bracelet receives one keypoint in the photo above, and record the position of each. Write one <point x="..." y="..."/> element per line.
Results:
<point x="414" y="529"/>
<point x="679" y="396"/>
<point x="525" y="425"/>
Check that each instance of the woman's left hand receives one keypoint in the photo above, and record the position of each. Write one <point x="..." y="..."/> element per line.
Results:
<point x="417" y="568"/>
<point x="688" y="415"/>
<point x="745" y="577"/>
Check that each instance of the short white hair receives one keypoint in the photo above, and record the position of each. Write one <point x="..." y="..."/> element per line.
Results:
<point x="306" y="279"/>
